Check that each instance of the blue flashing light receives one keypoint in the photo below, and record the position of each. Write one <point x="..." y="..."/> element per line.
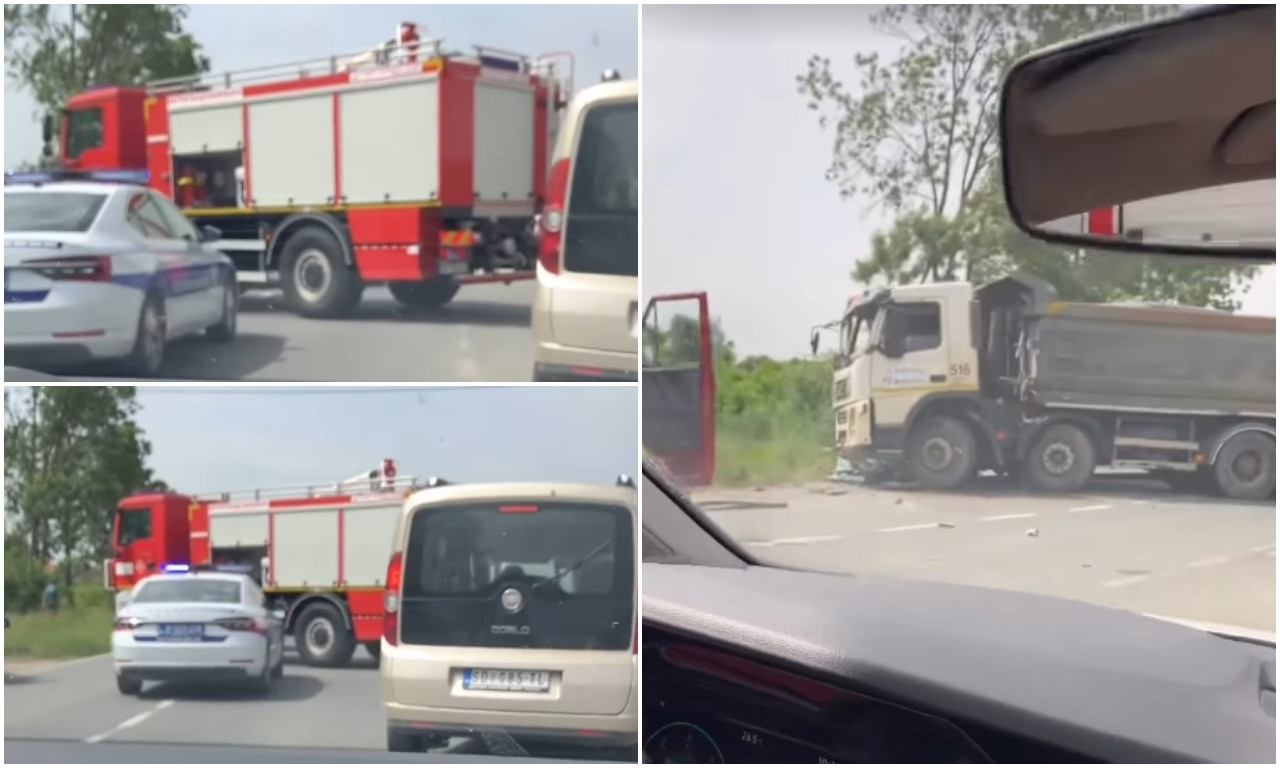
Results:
<point x="141" y="178"/>
<point x="175" y="568"/>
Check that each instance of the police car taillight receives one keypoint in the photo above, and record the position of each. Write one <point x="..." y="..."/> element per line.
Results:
<point x="91" y="269"/>
<point x="244" y="625"/>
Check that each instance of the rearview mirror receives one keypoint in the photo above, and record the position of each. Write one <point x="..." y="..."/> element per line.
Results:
<point x="813" y="341"/>
<point x="1156" y="138"/>
<point x="47" y="128"/>
<point x="209" y="233"/>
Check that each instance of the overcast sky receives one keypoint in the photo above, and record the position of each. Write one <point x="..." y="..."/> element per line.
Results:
<point x="240" y="36"/>
<point x="735" y="201"/>
<point x="210" y="439"/>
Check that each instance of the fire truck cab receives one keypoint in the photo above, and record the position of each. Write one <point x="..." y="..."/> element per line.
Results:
<point x="412" y="165"/>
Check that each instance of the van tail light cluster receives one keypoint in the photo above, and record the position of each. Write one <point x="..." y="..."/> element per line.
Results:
<point x="255" y="625"/>
<point x="391" y="600"/>
<point x="551" y="222"/>
<point x="87" y="269"/>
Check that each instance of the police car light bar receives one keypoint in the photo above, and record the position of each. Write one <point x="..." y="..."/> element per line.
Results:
<point x="141" y="178"/>
<point x="175" y="568"/>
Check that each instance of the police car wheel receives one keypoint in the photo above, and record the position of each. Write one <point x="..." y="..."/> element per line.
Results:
<point x="225" y="329"/>
<point x="129" y="686"/>
<point x="147" y="356"/>
<point x="261" y="683"/>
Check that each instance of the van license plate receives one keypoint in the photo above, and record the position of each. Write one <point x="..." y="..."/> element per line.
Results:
<point x="506" y="680"/>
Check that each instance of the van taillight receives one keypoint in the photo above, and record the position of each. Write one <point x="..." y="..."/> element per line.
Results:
<point x="635" y="641"/>
<point x="391" y="600"/>
<point x="518" y="509"/>
<point x="551" y="222"/>
<point x="92" y="269"/>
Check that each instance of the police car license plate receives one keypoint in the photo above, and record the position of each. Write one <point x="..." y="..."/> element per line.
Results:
<point x="181" y="633"/>
<point x="506" y="680"/>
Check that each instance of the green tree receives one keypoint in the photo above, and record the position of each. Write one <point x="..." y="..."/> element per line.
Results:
<point x="56" y="51"/>
<point x="71" y="453"/>
<point x="918" y="138"/>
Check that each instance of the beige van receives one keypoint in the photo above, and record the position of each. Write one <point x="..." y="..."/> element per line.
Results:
<point x="585" y="310"/>
<point x="512" y="608"/>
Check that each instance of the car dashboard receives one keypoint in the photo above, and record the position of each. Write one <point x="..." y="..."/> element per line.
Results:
<point x="707" y="705"/>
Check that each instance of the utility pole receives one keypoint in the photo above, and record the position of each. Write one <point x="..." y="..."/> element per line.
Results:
<point x="73" y="43"/>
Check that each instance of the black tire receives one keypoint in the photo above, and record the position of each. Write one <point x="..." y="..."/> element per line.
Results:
<point x="314" y="276"/>
<point x="334" y="648"/>
<point x="1198" y="483"/>
<point x="129" y="686"/>
<point x="1061" y="459"/>
<point x="374" y="649"/>
<point x="277" y="671"/>
<point x="404" y="741"/>
<point x="1246" y="467"/>
<point x="146" y="359"/>
<point x="428" y="296"/>
<point x="261" y="683"/>
<point x="224" y="330"/>
<point x="942" y="453"/>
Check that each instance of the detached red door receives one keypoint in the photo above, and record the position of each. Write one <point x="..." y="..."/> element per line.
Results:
<point x="678" y="370"/>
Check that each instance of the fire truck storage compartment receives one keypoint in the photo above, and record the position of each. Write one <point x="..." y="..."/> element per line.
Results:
<point x="239" y="529"/>
<point x="368" y="534"/>
<point x="504" y="146"/>
<point x="391" y="142"/>
<point x="200" y="130"/>
<point x="291" y="142"/>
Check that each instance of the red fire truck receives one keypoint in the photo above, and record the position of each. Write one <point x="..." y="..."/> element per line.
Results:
<point x="412" y="165"/>
<point x="320" y="553"/>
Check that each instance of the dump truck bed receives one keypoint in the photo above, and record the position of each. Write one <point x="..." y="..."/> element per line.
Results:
<point x="1149" y="358"/>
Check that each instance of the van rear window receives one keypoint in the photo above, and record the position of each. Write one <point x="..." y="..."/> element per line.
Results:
<point x="602" y="229"/>
<point x="573" y="565"/>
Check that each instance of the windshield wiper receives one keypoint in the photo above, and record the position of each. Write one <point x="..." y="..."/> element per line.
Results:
<point x="570" y="569"/>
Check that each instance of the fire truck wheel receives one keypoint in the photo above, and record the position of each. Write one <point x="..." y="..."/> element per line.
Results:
<point x="315" y="280"/>
<point x="1246" y="467"/>
<point x="225" y="329"/>
<point x="147" y="356"/>
<point x="426" y="296"/>
<point x="1061" y="459"/>
<point x="942" y="453"/>
<point x="129" y="686"/>
<point x="322" y="637"/>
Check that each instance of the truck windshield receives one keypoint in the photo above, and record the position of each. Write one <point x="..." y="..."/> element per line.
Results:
<point x="132" y="525"/>
<point x="84" y="131"/>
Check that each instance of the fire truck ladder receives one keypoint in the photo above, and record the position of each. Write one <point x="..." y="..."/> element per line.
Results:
<point x="382" y="479"/>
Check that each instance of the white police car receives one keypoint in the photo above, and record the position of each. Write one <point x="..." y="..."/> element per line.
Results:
<point x="185" y="625"/>
<point x="97" y="268"/>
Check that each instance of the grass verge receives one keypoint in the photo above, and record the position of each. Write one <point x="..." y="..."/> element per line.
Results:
<point x="789" y="455"/>
<point x="68" y="634"/>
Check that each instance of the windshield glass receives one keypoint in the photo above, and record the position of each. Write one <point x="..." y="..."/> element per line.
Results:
<point x="1082" y="423"/>
<point x="46" y="211"/>
<point x="188" y="590"/>
<point x="84" y="131"/>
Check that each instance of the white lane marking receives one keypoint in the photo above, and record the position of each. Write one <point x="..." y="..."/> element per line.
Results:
<point x="916" y="527"/>
<point x="1124" y="582"/>
<point x="1205" y="562"/>
<point x="795" y="540"/>
<point x="1091" y="508"/>
<point x="137" y="719"/>
<point x="1014" y="516"/>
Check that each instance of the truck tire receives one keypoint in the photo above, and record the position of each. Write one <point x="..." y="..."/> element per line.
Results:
<point x="1061" y="460"/>
<point x="314" y="277"/>
<point x="322" y="637"/>
<point x="426" y="296"/>
<point x="1246" y="467"/>
<point x="942" y="453"/>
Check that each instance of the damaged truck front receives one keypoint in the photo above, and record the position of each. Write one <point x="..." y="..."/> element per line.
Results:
<point x="941" y="381"/>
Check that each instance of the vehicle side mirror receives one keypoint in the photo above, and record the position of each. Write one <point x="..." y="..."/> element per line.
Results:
<point x="813" y="341"/>
<point x="209" y="233"/>
<point x="47" y="128"/>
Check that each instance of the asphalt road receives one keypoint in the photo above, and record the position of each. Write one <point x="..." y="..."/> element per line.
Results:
<point x="335" y="709"/>
<point x="1125" y="544"/>
<point x="482" y="335"/>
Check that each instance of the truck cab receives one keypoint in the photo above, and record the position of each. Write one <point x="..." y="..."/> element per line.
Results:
<point x="102" y="129"/>
<point x="148" y="531"/>
<point x="897" y="347"/>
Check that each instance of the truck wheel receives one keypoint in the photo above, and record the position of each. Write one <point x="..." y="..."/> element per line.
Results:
<point x="315" y="279"/>
<point x="427" y="296"/>
<point x="1061" y="459"/>
<point x="322" y="637"/>
<point x="1246" y="467"/>
<point x="942" y="453"/>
